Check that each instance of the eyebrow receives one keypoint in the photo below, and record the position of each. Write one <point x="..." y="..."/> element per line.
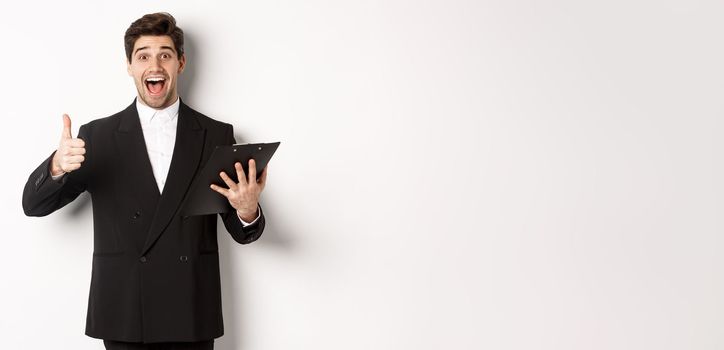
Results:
<point x="162" y="47"/>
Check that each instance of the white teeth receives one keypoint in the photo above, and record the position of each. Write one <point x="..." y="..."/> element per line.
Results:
<point x="155" y="79"/>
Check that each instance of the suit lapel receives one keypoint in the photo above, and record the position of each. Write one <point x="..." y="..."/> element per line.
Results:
<point x="187" y="152"/>
<point x="133" y="153"/>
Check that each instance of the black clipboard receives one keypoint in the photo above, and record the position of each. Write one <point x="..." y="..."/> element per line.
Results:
<point x="202" y="200"/>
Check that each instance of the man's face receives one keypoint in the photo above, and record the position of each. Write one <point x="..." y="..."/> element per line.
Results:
<point x="155" y="67"/>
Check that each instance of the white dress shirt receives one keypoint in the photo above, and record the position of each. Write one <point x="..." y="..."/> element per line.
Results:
<point x="159" y="132"/>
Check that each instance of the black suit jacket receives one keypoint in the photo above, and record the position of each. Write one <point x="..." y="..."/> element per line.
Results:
<point x="155" y="275"/>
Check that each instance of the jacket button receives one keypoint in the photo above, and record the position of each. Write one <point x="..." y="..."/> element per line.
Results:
<point x="143" y="259"/>
<point x="183" y="258"/>
<point x="137" y="215"/>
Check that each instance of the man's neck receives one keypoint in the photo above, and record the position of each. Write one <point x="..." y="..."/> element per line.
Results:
<point x="140" y="100"/>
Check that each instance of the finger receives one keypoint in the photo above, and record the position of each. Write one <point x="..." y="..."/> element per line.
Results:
<point x="66" y="127"/>
<point x="66" y="150"/>
<point x="252" y="171"/>
<point x="75" y="159"/>
<point x="77" y="151"/>
<point x="70" y="167"/>
<point x="228" y="181"/>
<point x="76" y="142"/>
<point x="223" y="191"/>
<point x="240" y="173"/>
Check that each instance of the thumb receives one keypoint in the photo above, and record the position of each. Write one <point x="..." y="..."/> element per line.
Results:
<point x="66" y="127"/>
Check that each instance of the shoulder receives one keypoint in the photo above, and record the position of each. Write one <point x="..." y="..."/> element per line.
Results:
<point x="205" y="121"/>
<point x="106" y="122"/>
<point x="110" y="122"/>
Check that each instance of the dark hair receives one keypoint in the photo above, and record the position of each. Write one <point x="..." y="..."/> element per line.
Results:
<point x="160" y="23"/>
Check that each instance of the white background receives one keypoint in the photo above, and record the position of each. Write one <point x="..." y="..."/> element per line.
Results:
<point x="452" y="174"/>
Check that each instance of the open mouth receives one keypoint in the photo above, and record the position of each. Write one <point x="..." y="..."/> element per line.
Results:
<point x="155" y="85"/>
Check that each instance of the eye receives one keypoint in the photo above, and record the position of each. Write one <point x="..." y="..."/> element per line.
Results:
<point x="165" y="56"/>
<point x="142" y="57"/>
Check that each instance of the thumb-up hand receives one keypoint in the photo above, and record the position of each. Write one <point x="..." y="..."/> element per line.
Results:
<point x="69" y="155"/>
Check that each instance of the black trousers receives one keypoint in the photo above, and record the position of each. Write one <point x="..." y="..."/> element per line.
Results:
<point x="119" y="345"/>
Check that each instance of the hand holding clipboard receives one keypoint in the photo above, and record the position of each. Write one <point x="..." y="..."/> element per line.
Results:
<point x="202" y="199"/>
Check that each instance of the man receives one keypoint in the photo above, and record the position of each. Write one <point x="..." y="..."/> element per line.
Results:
<point x="155" y="280"/>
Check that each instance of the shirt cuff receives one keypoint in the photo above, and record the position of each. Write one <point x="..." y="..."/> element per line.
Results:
<point x="244" y="223"/>
<point x="57" y="177"/>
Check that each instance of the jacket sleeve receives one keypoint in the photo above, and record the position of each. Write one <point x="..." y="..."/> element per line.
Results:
<point x="239" y="233"/>
<point x="43" y="195"/>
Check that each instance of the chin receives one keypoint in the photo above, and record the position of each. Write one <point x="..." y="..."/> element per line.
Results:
<point x="155" y="102"/>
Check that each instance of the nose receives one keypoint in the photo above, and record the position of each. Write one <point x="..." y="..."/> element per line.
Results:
<point x="155" y="62"/>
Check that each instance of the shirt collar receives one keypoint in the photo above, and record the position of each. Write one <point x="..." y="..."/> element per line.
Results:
<point x="146" y="113"/>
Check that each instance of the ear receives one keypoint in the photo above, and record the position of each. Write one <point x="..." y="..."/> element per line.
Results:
<point x="181" y="63"/>
<point x="128" y="68"/>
